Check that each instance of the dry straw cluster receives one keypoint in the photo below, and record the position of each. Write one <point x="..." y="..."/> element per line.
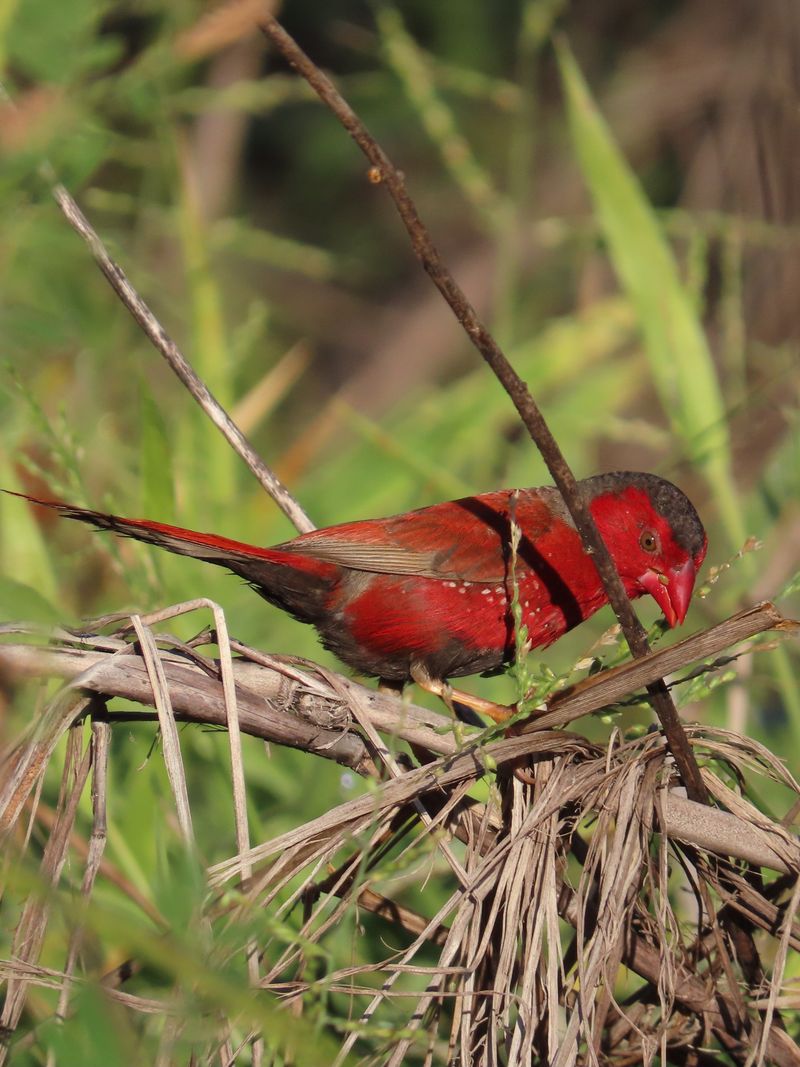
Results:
<point x="564" y="877"/>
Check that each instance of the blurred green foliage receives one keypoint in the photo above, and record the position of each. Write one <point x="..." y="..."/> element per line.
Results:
<point x="304" y="249"/>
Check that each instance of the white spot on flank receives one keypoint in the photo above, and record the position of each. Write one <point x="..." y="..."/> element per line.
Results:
<point x="485" y="592"/>
<point x="451" y="585"/>
<point x="499" y="589"/>
<point x="463" y="589"/>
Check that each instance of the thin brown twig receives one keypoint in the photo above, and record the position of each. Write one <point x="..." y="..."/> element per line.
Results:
<point x="384" y="172"/>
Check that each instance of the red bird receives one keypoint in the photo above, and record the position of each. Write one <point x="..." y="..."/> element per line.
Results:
<point x="429" y="592"/>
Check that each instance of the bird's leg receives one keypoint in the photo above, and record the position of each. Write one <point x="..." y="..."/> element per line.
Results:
<point x="392" y="686"/>
<point x="499" y="713"/>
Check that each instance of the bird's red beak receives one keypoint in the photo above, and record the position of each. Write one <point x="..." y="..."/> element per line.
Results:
<point x="672" y="591"/>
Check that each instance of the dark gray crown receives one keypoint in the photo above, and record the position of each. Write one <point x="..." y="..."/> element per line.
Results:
<point x="668" y="500"/>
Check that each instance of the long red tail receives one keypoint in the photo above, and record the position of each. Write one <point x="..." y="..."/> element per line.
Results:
<point x="298" y="583"/>
<point x="210" y="547"/>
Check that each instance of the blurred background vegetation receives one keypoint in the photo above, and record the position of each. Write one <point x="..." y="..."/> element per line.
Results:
<point x="655" y="318"/>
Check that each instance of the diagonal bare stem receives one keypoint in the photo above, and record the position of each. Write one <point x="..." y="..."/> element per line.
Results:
<point x="164" y="344"/>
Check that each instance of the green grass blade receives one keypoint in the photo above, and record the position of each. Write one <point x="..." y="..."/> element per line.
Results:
<point x="680" y="361"/>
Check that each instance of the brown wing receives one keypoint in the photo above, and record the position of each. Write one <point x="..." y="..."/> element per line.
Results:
<point x="463" y="540"/>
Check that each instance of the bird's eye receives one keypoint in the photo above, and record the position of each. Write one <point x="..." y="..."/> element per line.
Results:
<point x="648" y="541"/>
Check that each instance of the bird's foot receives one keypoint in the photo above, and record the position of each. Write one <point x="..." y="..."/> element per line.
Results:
<point x="498" y="713"/>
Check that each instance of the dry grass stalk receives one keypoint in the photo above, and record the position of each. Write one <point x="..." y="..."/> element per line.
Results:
<point x="32" y="926"/>
<point x="101" y="736"/>
<point x="168" y="728"/>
